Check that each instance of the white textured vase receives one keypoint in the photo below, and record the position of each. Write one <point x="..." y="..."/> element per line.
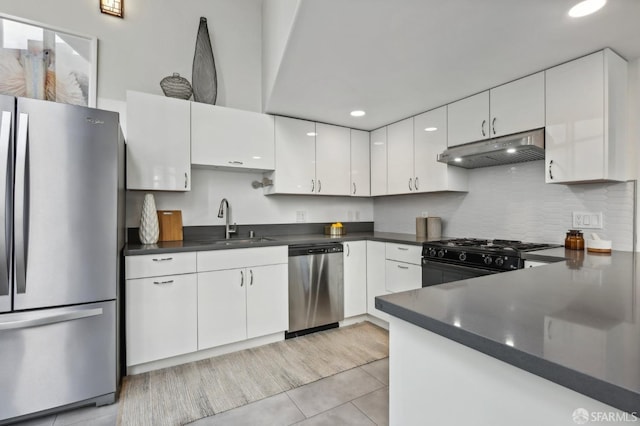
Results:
<point x="149" y="230"/>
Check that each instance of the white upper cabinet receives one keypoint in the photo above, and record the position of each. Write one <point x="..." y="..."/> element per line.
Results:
<point x="400" y="157"/>
<point x="517" y="106"/>
<point x="468" y="119"/>
<point x="586" y="106"/>
<point x="379" y="161"/>
<point x="360" y="164"/>
<point x="333" y="168"/>
<point x="158" y="143"/>
<point x="231" y="138"/>
<point x="295" y="157"/>
<point x="430" y="139"/>
<point x="511" y="108"/>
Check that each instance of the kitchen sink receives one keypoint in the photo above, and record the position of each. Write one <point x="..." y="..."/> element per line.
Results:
<point x="234" y="241"/>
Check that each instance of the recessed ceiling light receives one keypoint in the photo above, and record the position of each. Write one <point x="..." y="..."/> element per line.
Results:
<point x="357" y="113"/>
<point x="511" y="151"/>
<point x="312" y="134"/>
<point x="256" y="157"/>
<point x="457" y="159"/>
<point x="586" y="7"/>
<point x="430" y="129"/>
<point x="378" y="143"/>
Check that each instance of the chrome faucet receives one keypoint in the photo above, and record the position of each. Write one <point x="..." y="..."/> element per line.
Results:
<point x="228" y="229"/>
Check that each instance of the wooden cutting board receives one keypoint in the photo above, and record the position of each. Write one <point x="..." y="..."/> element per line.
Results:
<point x="170" y="225"/>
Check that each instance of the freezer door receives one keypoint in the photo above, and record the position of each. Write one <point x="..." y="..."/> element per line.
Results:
<point x="66" y="205"/>
<point x="55" y="357"/>
<point x="7" y="109"/>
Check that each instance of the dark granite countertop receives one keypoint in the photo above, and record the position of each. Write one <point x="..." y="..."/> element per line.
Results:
<point x="575" y="322"/>
<point x="272" y="240"/>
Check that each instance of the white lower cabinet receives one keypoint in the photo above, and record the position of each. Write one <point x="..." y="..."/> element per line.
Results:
<point x="161" y="317"/>
<point x="400" y="276"/>
<point x="355" y="278"/>
<point x="376" y="277"/>
<point x="267" y="300"/>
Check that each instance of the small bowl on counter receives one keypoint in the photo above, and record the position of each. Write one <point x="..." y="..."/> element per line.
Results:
<point x="598" y="246"/>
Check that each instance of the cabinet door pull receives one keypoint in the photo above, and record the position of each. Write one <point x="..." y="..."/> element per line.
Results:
<point x="163" y="282"/>
<point x="186" y="180"/>
<point x="493" y="125"/>
<point x="313" y="185"/>
<point x="241" y="278"/>
<point x="410" y="184"/>
<point x="403" y="248"/>
<point x="483" y="123"/>
<point x="354" y="188"/>
<point x="415" y="183"/>
<point x="550" y="174"/>
<point x="403" y="267"/>
<point x="162" y="259"/>
<point x="250" y="276"/>
<point x="348" y="250"/>
<point x="236" y="162"/>
<point x="319" y="186"/>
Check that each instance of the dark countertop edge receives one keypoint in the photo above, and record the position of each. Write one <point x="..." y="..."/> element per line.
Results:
<point x="276" y="240"/>
<point x="618" y="397"/>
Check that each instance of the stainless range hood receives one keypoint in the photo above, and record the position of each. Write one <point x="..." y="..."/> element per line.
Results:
<point x="516" y="148"/>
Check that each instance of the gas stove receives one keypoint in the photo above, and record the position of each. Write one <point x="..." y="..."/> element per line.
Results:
<point x="494" y="255"/>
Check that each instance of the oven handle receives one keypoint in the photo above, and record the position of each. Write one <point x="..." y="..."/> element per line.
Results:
<point x="455" y="267"/>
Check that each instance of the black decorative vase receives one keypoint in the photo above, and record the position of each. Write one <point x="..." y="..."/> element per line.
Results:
<point x="204" y="79"/>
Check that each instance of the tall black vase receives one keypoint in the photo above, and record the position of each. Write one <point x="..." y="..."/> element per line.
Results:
<point x="204" y="79"/>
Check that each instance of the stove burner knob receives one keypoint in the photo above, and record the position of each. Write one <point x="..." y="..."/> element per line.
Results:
<point x="499" y="261"/>
<point x="488" y="260"/>
<point x="441" y="253"/>
<point x="432" y="252"/>
<point x="462" y="257"/>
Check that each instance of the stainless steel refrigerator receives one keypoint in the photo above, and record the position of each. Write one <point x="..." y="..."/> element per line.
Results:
<point x="61" y="235"/>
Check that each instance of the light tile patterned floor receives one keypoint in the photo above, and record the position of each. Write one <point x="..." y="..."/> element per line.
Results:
<point x="359" y="396"/>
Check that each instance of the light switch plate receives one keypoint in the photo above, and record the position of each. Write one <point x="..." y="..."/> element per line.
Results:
<point x="587" y="220"/>
<point x="301" y="216"/>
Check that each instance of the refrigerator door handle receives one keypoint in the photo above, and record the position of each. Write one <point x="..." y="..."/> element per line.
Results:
<point x="21" y="231"/>
<point x="49" y="319"/>
<point x="5" y="142"/>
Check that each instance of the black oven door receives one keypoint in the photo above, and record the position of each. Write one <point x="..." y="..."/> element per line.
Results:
<point x="434" y="273"/>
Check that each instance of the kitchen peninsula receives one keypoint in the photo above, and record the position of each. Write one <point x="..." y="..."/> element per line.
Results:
<point x="527" y="347"/>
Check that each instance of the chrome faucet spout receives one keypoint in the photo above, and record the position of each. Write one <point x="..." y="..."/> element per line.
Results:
<point x="228" y="229"/>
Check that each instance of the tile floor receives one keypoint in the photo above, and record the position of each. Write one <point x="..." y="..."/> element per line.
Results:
<point x="359" y="396"/>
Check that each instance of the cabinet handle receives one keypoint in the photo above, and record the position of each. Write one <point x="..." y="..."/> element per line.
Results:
<point x="403" y="267"/>
<point x="319" y="186"/>
<point x="403" y="248"/>
<point x="241" y="278"/>
<point x="163" y="259"/>
<point x="354" y="188"/>
<point x="236" y="162"/>
<point x="493" y="125"/>
<point x="549" y="329"/>
<point x="163" y="282"/>
<point x="415" y="183"/>
<point x="313" y="185"/>
<point x="251" y="274"/>
<point x="186" y="180"/>
<point x="550" y="174"/>
<point x="348" y="250"/>
<point x="410" y="183"/>
<point x="483" y="123"/>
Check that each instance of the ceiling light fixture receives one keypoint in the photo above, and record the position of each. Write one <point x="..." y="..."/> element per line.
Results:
<point x="357" y="113"/>
<point x="112" y="7"/>
<point x="586" y="7"/>
<point x="312" y="134"/>
<point x="430" y="129"/>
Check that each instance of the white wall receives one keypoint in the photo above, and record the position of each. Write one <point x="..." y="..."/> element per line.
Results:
<point x="157" y="38"/>
<point x="249" y="206"/>
<point x="513" y="202"/>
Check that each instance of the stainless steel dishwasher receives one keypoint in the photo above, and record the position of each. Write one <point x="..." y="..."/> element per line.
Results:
<point x="316" y="287"/>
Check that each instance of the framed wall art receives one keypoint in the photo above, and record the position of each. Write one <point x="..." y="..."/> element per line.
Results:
<point x="41" y="62"/>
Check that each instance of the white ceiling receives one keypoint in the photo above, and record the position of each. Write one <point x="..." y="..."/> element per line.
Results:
<point x="397" y="58"/>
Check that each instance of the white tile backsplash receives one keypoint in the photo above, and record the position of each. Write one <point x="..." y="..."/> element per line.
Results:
<point x="513" y="202"/>
<point x="248" y="205"/>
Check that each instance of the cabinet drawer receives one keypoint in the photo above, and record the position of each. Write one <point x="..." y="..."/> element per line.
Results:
<point x="161" y="317"/>
<point x="401" y="276"/>
<point x="154" y="265"/>
<point x="403" y="253"/>
<point x="240" y="258"/>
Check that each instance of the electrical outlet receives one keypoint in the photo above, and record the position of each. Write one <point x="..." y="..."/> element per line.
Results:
<point x="587" y="220"/>
<point x="301" y="216"/>
<point x="425" y="214"/>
